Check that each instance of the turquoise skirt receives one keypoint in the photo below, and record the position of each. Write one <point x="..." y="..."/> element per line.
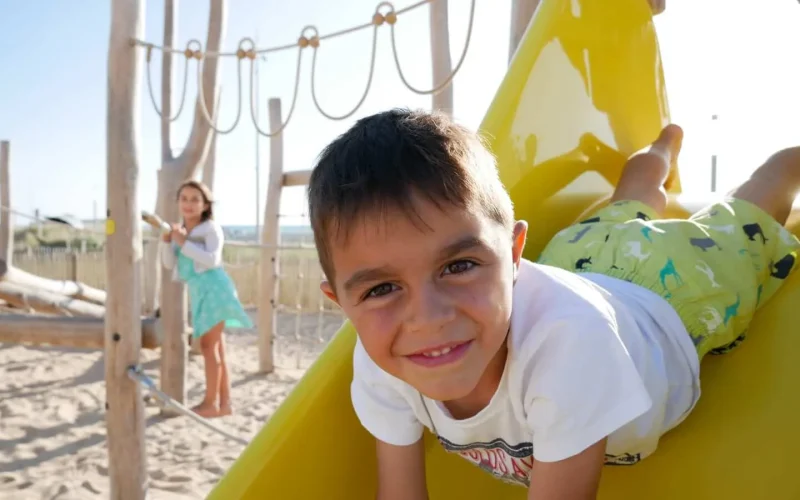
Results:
<point x="213" y="298"/>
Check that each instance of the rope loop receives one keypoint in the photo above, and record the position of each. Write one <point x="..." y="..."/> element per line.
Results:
<point x="389" y="17"/>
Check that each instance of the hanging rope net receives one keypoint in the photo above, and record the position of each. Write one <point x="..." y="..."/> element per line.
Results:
<point x="309" y="39"/>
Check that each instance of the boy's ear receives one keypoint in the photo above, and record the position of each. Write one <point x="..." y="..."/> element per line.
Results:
<point x="327" y="289"/>
<point x="518" y="243"/>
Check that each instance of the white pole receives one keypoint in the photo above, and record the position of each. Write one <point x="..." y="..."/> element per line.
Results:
<point x="258" y="151"/>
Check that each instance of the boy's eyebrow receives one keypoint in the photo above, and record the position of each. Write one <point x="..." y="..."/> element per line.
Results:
<point x="381" y="273"/>
<point x="466" y="243"/>
<point x="364" y="276"/>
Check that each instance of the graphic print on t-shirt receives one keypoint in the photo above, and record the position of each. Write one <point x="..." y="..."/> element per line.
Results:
<point x="511" y="464"/>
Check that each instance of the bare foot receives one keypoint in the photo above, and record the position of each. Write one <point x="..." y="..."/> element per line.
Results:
<point x="225" y="409"/>
<point x="207" y="410"/>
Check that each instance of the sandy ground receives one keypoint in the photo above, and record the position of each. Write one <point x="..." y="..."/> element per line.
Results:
<point x="52" y="427"/>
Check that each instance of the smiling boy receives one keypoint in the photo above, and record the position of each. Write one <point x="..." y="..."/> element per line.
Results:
<point x="539" y="373"/>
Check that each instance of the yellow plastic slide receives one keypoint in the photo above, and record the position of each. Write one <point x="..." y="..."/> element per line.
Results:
<point x="585" y="89"/>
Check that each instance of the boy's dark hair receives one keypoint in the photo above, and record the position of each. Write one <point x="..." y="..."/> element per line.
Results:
<point x="384" y="158"/>
<point x="208" y="199"/>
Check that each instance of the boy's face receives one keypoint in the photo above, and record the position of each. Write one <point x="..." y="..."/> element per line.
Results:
<point x="430" y="298"/>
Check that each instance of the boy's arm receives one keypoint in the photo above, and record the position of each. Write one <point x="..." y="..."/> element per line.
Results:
<point x="384" y="409"/>
<point x="574" y="478"/>
<point x="401" y="471"/>
<point x="209" y="254"/>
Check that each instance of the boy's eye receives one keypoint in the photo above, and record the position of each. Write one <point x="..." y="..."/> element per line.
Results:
<point x="380" y="290"/>
<point x="459" y="267"/>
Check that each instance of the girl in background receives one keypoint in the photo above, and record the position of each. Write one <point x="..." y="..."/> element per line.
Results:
<point x="194" y="253"/>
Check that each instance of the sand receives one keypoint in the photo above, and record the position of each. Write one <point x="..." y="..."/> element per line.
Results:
<point x="52" y="427"/>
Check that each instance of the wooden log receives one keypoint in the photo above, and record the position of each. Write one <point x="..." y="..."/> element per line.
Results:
<point x="72" y="289"/>
<point x="69" y="332"/>
<point x="125" y="423"/>
<point x="296" y="178"/>
<point x="174" y="171"/>
<point x="440" y="57"/>
<point x="270" y="236"/>
<point x="47" y="302"/>
<point x="521" y="14"/>
<point x="658" y="6"/>
<point x="6" y="227"/>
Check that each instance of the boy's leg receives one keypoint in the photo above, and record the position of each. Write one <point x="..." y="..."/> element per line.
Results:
<point x="645" y="174"/>
<point x="774" y="185"/>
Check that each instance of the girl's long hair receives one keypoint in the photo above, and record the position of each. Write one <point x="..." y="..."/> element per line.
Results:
<point x="208" y="199"/>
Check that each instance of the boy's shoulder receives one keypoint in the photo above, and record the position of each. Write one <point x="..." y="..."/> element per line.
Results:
<point x="559" y="319"/>
<point x="544" y="295"/>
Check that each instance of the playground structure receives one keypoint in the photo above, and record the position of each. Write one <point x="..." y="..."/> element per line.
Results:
<point x="584" y="90"/>
<point x="549" y="169"/>
<point x="112" y="319"/>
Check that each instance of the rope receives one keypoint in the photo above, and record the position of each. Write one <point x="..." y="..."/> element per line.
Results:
<point x="189" y="53"/>
<point x="377" y="20"/>
<point x="254" y="104"/>
<point x="247" y="50"/>
<point x="202" y="96"/>
<point x="300" y="42"/>
<point x="136" y="374"/>
<point x="441" y="86"/>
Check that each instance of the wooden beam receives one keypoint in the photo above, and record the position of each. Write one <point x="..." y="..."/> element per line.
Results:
<point x="68" y="332"/>
<point x="521" y="14"/>
<point x="658" y="6"/>
<point x="270" y="236"/>
<point x="47" y="302"/>
<point x="296" y="178"/>
<point x="72" y="289"/>
<point x="440" y="57"/>
<point x="125" y="423"/>
<point x="6" y="227"/>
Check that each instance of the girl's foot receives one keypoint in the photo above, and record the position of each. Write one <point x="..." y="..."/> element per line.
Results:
<point x="225" y="409"/>
<point x="207" y="410"/>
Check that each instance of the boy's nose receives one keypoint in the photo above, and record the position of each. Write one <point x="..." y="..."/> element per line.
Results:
<point x="429" y="310"/>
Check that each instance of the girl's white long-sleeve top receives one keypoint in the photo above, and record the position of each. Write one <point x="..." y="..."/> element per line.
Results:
<point x="203" y="245"/>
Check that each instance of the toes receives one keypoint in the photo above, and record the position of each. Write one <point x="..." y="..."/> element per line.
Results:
<point x="668" y="144"/>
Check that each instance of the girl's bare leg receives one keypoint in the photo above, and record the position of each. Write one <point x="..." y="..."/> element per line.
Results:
<point x="208" y="344"/>
<point x="225" y="382"/>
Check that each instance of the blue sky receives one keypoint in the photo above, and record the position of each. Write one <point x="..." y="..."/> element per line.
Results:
<point x="723" y="57"/>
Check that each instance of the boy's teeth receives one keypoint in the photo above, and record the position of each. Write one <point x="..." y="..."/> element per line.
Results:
<point x="436" y="354"/>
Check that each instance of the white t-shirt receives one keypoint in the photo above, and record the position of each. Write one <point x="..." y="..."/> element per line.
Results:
<point x="589" y="356"/>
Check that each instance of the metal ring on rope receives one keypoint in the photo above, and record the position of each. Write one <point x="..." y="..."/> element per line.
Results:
<point x="241" y="53"/>
<point x="189" y="54"/>
<point x="377" y="22"/>
<point x="441" y="85"/>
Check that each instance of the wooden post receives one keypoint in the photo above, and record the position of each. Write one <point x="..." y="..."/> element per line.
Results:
<point x="174" y="345"/>
<point x="270" y="238"/>
<point x="173" y="172"/>
<point x="658" y="6"/>
<point x="38" y="220"/>
<point x="521" y="15"/>
<point x="440" y="57"/>
<point x="123" y="329"/>
<point x="6" y="229"/>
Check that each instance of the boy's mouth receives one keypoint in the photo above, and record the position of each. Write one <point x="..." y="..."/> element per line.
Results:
<point x="440" y="355"/>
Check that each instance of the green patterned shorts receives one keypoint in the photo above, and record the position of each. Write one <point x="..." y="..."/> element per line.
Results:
<point x="715" y="268"/>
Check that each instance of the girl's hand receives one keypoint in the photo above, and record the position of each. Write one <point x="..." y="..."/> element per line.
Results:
<point x="166" y="237"/>
<point x="178" y="234"/>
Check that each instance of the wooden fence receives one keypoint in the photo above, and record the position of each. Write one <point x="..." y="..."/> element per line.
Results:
<point x="300" y="272"/>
